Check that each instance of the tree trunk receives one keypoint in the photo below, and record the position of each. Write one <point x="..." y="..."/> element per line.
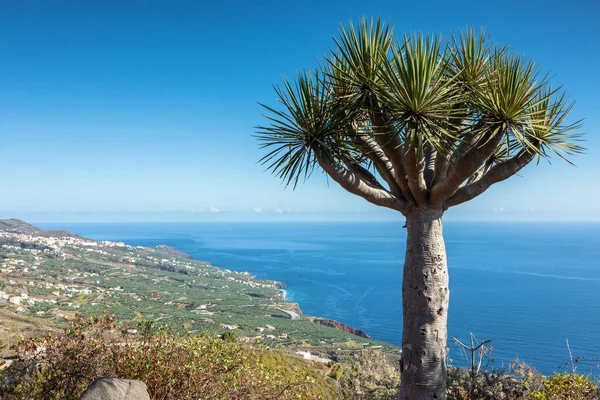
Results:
<point x="425" y="296"/>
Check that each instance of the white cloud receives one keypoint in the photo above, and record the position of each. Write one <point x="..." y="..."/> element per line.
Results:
<point x="257" y="210"/>
<point x="278" y="211"/>
<point x="213" y="210"/>
<point x="498" y="210"/>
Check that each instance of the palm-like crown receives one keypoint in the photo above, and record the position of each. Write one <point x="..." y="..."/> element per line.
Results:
<point x="418" y="121"/>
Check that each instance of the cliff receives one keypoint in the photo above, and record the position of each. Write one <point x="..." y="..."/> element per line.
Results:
<point x="174" y="252"/>
<point x="339" y="326"/>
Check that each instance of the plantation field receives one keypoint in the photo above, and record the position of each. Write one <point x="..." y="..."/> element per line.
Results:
<point x="46" y="279"/>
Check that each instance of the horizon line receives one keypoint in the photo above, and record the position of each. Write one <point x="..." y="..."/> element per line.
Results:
<point x="451" y="220"/>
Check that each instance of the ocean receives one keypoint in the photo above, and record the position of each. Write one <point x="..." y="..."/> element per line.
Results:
<point x="526" y="286"/>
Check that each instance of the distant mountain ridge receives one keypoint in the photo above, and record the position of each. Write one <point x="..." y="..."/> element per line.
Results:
<point x="14" y="225"/>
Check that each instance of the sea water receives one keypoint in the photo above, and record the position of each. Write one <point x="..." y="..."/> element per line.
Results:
<point x="526" y="286"/>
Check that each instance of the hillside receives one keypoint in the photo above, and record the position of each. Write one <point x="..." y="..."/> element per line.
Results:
<point x="17" y="226"/>
<point x="47" y="276"/>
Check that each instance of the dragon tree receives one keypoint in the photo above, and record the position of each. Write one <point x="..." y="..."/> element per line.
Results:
<point x="417" y="124"/>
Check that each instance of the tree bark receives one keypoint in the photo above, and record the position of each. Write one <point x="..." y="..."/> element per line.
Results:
<point x="425" y="295"/>
<point x="355" y="185"/>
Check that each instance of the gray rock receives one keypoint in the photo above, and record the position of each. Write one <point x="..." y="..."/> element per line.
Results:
<point x="106" y="388"/>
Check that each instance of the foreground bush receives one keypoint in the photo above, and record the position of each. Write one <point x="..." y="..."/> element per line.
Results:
<point x="567" y="386"/>
<point x="520" y="382"/>
<point x="173" y="367"/>
<point x="513" y="383"/>
<point x="209" y="367"/>
<point x="368" y="375"/>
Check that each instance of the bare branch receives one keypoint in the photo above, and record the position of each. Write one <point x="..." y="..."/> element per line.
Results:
<point x="353" y="184"/>
<point x="467" y="165"/>
<point x="430" y="161"/>
<point x="481" y="172"/>
<point x="362" y="173"/>
<point x="414" y="173"/>
<point x="442" y="159"/>
<point x="465" y="145"/>
<point x="382" y="164"/>
<point x="391" y="145"/>
<point x="497" y="173"/>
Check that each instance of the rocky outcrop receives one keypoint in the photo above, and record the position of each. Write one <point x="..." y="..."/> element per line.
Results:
<point x="341" y="327"/>
<point x="293" y="307"/>
<point x="105" y="388"/>
<point x="173" y="252"/>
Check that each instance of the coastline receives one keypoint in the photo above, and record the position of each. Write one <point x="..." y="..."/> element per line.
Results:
<point x="502" y="290"/>
<point x="295" y="314"/>
<point x="132" y="257"/>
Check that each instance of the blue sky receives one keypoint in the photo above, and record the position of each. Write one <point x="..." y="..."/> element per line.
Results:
<point x="144" y="110"/>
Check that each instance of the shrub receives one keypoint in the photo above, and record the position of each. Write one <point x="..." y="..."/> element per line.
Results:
<point x="564" y="385"/>
<point x="172" y="366"/>
<point x="514" y="383"/>
<point x="368" y="374"/>
<point x="228" y="336"/>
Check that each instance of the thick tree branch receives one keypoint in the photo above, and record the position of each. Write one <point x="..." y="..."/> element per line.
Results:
<point x="388" y="140"/>
<point x="455" y="126"/>
<point x="353" y="184"/>
<point x="371" y="149"/>
<point x="441" y="166"/>
<point x="463" y="147"/>
<point x="414" y="173"/>
<point x="497" y="173"/>
<point x="363" y="173"/>
<point x="430" y="158"/>
<point x="481" y="171"/>
<point x="466" y="166"/>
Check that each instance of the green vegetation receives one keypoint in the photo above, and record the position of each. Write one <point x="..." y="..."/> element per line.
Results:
<point x="516" y="382"/>
<point x="368" y="375"/>
<point x="520" y="382"/>
<point x="185" y="366"/>
<point x="171" y="365"/>
<point x="45" y="279"/>
<point x="563" y="386"/>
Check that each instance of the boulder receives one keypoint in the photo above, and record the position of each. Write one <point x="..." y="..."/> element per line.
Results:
<point x="106" y="388"/>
